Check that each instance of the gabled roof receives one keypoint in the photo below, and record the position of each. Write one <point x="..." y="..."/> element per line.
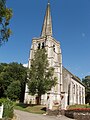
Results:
<point x="73" y="76"/>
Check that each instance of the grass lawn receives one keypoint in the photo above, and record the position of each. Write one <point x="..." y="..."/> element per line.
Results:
<point x="80" y="106"/>
<point x="38" y="109"/>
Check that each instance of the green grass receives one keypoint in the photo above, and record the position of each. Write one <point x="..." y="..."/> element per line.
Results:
<point x="38" y="109"/>
<point x="79" y="106"/>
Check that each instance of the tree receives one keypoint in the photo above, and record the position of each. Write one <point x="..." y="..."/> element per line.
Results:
<point x="41" y="76"/>
<point x="86" y="82"/>
<point x="2" y="81"/>
<point x="10" y="75"/>
<point x="14" y="90"/>
<point x="5" y="16"/>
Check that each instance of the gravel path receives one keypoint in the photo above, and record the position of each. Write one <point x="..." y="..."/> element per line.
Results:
<point x="29" y="116"/>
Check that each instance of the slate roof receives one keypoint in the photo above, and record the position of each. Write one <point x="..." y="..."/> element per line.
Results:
<point x="72" y="75"/>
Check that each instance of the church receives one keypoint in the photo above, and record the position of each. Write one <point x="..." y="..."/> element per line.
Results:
<point x="69" y="89"/>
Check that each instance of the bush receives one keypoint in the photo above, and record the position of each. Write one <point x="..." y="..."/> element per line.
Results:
<point x="8" y="110"/>
<point x="0" y="103"/>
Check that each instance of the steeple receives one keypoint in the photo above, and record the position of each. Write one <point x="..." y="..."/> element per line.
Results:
<point x="47" y="25"/>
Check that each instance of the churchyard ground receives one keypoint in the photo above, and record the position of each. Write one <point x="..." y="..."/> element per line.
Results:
<point x="21" y="115"/>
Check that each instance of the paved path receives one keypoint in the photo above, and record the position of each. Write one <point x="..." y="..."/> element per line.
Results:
<point x="29" y="116"/>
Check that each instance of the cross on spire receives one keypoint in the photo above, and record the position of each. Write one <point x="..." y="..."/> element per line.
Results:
<point x="48" y="1"/>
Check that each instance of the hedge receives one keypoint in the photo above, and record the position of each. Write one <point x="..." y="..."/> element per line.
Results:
<point x="8" y="110"/>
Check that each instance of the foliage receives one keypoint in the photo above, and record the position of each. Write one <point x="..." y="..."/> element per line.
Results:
<point x="13" y="78"/>
<point x="0" y="103"/>
<point x="86" y="82"/>
<point x="41" y="77"/>
<point x="8" y="108"/>
<point x="14" y="90"/>
<point x="5" y="16"/>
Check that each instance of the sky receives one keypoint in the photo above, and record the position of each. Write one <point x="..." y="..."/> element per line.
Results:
<point x="71" y="26"/>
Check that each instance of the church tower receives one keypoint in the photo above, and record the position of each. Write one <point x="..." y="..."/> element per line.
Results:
<point x="53" y="49"/>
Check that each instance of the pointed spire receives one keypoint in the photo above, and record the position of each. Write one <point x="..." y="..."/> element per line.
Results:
<point x="47" y="25"/>
<point x="48" y="1"/>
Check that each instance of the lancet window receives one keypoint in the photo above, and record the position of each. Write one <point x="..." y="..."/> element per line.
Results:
<point x="43" y="45"/>
<point x="54" y="48"/>
<point x="38" y="45"/>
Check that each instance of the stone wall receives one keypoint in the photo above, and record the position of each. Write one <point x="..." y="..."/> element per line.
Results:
<point x="78" y="114"/>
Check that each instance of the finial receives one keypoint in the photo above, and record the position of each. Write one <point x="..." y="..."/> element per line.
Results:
<point x="48" y="1"/>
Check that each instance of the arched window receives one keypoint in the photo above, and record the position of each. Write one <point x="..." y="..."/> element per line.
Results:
<point x="38" y="45"/>
<point x="54" y="48"/>
<point x="43" y="45"/>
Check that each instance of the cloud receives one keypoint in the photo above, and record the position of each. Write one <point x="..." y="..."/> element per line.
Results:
<point x="25" y="65"/>
<point x="83" y="34"/>
<point x="88" y="73"/>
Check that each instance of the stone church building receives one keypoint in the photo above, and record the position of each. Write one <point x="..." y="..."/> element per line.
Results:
<point x="69" y="89"/>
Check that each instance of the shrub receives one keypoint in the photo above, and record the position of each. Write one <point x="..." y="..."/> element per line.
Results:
<point x="0" y="103"/>
<point x="8" y="110"/>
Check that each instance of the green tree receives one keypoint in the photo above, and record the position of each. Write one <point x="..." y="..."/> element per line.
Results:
<point x="14" y="90"/>
<point x="5" y="16"/>
<point x="10" y="75"/>
<point x="41" y="76"/>
<point x="2" y="81"/>
<point x="86" y="82"/>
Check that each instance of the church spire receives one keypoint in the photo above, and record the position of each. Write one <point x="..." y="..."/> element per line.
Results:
<point x="47" y="25"/>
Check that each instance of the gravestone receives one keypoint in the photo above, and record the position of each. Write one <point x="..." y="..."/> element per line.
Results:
<point x="1" y="111"/>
